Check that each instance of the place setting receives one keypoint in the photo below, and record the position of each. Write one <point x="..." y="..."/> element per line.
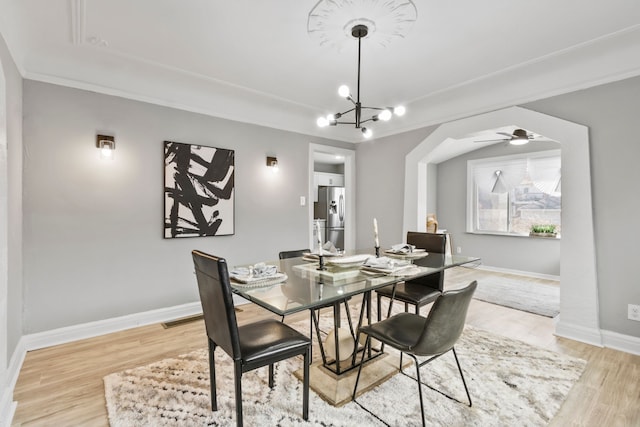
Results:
<point x="256" y="275"/>
<point x="405" y="251"/>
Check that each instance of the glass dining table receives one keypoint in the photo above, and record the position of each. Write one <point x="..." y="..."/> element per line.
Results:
<point x="308" y="288"/>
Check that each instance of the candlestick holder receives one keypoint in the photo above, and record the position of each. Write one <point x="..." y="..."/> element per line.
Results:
<point x="321" y="266"/>
<point x="377" y="251"/>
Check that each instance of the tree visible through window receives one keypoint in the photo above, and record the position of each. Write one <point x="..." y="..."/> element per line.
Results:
<point x="510" y="194"/>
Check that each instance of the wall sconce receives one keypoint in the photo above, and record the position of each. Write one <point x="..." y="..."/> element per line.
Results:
<point x="272" y="162"/>
<point x="106" y="144"/>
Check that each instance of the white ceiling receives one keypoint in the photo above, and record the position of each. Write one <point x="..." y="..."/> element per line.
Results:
<point x="253" y="61"/>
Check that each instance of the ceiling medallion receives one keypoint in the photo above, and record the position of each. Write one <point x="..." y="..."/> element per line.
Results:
<point x="331" y="21"/>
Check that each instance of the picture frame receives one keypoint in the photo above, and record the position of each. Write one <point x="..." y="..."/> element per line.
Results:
<point x="199" y="190"/>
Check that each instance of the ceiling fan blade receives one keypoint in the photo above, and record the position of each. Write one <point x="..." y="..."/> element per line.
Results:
<point x="508" y="135"/>
<point x="492" y="140"/>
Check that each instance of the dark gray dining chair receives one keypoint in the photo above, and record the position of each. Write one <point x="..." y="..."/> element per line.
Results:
<point x="293" y="254"/>
<point x="422" y="290"/>
<point x="419" y="336"/>
<point x="250" y="346"/>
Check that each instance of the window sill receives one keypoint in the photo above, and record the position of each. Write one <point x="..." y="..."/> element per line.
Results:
<point x="496" y="233"/>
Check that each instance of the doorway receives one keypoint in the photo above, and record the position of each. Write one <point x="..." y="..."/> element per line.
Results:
<point x="338" y="161"/>
<point x="579" y="317"/>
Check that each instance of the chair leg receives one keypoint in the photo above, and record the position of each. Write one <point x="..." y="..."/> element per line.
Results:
<point x="238" y="381"/>
<point x="311" y="335"/>
<point x="462" y="376"/>
<point x="355" y="388"/>
<point x="271" y="381"/>
<point x="212" y="375"/>
<point x="305" y="385"/>
<point x="415" y="360"/>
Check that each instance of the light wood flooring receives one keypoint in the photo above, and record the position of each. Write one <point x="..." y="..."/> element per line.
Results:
<point x="63" y="386"/>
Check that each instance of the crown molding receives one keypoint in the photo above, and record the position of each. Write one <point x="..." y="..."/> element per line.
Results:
<point x="607" y="59"/>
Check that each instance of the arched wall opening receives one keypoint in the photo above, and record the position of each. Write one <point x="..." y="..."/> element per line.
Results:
<point x="579" y="316"/>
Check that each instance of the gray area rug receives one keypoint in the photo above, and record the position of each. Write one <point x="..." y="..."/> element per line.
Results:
<point x="522" y="295"/>
<point x="511" y="383"/>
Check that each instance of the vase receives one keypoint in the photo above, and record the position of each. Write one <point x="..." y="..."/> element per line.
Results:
<point x="432" y="223"/>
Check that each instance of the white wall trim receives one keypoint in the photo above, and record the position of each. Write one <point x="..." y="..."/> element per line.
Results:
<point x="626" y="343"/>
<point x="107" y="326"/>
<point x="579" y="333"/>
<point x="8" y="405"/>
<point x="519" y="272"/>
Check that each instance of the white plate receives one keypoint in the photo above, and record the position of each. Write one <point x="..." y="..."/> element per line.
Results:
<point x="348" y="261"/>
<point x="324" y="254"/>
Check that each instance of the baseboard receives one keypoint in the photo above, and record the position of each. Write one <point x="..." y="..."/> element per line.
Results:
<point x="7" y="404"/>
<point x="579" y="333"/>
<point x="519" y="272"/>
<point x="7" y="409"/>
<point x="107" y="326"/>
<point x="626" y="343"/>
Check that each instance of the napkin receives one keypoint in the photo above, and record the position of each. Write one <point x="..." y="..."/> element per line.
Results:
<point x="385" y="263"/>
<point x="402" y="248"/>
<point x="381" y="262"/>
<point x="328" y="247"/>
<point x="259" y="270"/>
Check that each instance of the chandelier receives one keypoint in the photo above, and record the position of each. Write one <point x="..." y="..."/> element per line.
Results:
<point x="379" y="113"/>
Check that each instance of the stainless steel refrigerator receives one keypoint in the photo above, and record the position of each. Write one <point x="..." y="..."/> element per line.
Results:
<point x="330" y="206"/>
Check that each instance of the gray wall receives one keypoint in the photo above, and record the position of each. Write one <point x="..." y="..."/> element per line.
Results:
<point x="533" y="255"/>
<point x="380" y="180"/>
<point x="13" y="110"/>
<point x="93" y="229"/>
<point x="610" y="111"/>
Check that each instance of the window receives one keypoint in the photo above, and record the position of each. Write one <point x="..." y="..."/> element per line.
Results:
<point x="507" y="195"/>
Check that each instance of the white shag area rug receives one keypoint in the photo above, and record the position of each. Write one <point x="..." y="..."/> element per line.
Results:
<point x="511" y="383"/>
<point x="527" y="296"/>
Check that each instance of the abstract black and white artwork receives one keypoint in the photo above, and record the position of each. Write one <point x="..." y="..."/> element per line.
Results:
<point x="198" y="190"/>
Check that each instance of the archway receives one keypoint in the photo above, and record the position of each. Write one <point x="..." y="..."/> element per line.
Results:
<point x="579" y="317"/>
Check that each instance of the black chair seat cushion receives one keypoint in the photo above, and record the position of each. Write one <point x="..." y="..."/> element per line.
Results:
<point x="412" y="293"/>
<point x="265" y="342"/>
<point x="400" y="331"/>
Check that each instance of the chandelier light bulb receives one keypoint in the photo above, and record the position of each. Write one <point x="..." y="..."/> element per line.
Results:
<point x="384" y="115"/>
<point x="399" y="110"/>
<point x="362" y="112"/>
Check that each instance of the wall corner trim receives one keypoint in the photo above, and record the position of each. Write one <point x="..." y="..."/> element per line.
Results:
<point x="579" y="333"/>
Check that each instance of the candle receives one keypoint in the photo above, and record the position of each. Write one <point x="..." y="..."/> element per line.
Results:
<point x="319" y="237"/>
<point x="375" y="232"/>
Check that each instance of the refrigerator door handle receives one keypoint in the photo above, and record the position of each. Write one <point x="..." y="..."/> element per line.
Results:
<point x="341" y="207"/>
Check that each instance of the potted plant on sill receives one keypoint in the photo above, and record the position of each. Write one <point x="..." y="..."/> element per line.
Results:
<point x="543" y="230"/>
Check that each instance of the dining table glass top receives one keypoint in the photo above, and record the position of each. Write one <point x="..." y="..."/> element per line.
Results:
<point x="306" y="287"/>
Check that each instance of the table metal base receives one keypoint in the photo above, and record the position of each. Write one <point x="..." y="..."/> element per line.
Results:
<point x="337" y="389"/>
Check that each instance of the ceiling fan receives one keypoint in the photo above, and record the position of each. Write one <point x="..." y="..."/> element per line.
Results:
<point x="518" y="137"/>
